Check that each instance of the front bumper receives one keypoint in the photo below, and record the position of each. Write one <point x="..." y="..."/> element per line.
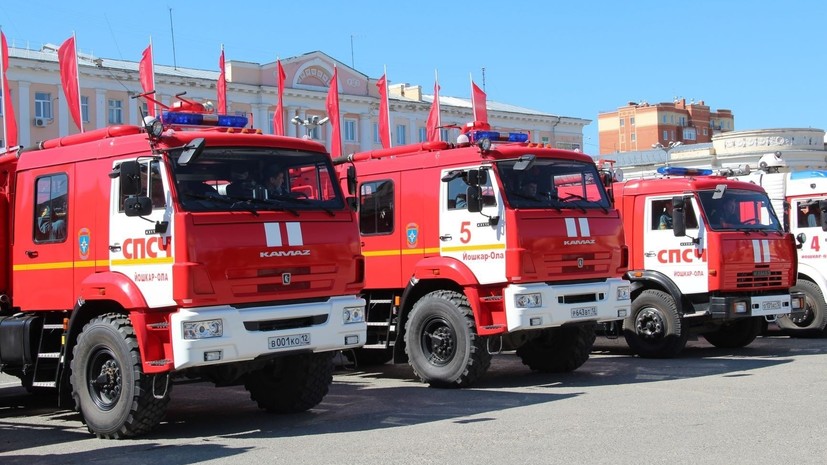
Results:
<point x="567" y="303"/>
<point x="729" y="307"/>
<point x="251" y="332"/>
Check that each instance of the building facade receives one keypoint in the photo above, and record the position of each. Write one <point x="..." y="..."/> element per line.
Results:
<point x="639" y="126"/>
<point x="108" y="88"/>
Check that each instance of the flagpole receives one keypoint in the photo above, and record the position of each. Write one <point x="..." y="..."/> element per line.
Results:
<point x="473" y="107"/>
<point x="388" y="105"/>
<point x="438" y="116"/>
<point x="77" y="72"/>
<point x="152" y="74"/>
<point x="3" y="95"/>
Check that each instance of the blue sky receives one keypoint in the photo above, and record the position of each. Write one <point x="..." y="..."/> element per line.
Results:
<point x="763" y="60"/>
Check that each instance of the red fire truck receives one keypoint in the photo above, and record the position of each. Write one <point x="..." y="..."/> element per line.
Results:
<point x="707" y="255"/>
<point x="134" y="257"/>
<point x="491" y="244"/>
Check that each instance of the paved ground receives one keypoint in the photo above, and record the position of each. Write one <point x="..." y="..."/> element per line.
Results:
<point x="764" y="403"/>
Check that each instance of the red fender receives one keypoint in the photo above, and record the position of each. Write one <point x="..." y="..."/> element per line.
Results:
<point x="112" y="286"/>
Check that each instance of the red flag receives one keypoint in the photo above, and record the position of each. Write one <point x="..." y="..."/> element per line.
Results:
<point x="222" y="86"/>
<point x="478" y="104"/>
<point x="68" y="60"/>
<point x="384" y="119"/>
<point x="278" y="118"/>
<point x="433" y="122"/>
<point x="333" y="114"/>
<point x="9" y="120"/>
<point x="147" y="75"/>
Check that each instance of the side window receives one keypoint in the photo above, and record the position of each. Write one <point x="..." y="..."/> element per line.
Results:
<point x="662" y="215"/>
<point x="809" y="216"/>
<point x="152" y="183"/>
<point x="376" y="207"/>
<point x="457" y="194"/>
<point x="51" y="208"/>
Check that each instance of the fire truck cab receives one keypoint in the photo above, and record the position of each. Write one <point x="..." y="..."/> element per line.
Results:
<point x="707" y="255"/>
<point x="136" y="257"/>
<point x="802" y="197"/>
<point x="490" y="244"/>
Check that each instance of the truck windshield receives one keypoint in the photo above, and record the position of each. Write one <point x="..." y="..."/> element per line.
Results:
<point x="257" y="178"/>
<point x="553" y="184"/>
<point x="739" y="210"/>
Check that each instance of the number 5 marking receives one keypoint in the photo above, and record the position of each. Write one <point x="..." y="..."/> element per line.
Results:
<point x="466" y="232"/>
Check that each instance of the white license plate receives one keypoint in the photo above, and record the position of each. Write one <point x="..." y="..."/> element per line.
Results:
<point x="583" y="312"/>
<point x="772" y="305"/>
<point x="286" y="342"/>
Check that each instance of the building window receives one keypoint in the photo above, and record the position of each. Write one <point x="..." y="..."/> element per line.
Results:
<point x="271" y="123"/>
<point x="634" y="137"/>
<point x="115" y="110"/>
<point x="705" y="131"/>
<point x="350" y="130"/>
<point x="622" y="122"/>
<point x="544" y="140"/>
<point x="683" y="121"/>
<point x="632" y="120"/>
<point x="84" y="108"/>
<point x="673" y="135"/>
<point x="690" y="134"/>
<point x="376" y="133"/>
<point x="144" y="108"/>
<point x="665" y="135"/>
<point x="423" y="134"/>
<point x="401" y="131"/>
<point x="663" y="119"/>
<point x="43" y="105"/>
<point x="444" y="134"/>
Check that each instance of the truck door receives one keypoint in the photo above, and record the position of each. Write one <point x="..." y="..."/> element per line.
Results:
<point x="805" y="217"/>
<point x="472" y="238"/>
<point x="137" y="246"/>
<point x="43" y="243"/>
<point x="679" y="258"/>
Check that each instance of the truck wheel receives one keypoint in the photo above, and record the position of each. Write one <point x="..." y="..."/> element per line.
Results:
<point x="442" y="343"/>
<point x="738" y="333"/>
<point x="114" y="396"/>
<point x="814" y="320"/>
<point x="293" y="383"/>
<point x="655" y="329"/>
<point x="558" y="350"/>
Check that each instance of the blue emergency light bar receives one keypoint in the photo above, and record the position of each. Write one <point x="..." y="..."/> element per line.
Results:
<point x="204" y="119"/>
<point x="680" y="171"/>
<point x="499" y="136"/>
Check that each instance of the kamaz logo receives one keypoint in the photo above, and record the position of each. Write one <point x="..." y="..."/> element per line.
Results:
<point x="284" y="253"/>
<point x="580" y="242"/>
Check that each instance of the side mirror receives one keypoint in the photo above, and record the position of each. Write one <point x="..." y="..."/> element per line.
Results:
<point x="679" y="216"/>
<point x="130" y="174"/>
<point x="477" y="177"/>
<point x="822" y="205"/>
<point x="137" y="206"/>
<point x="351" y="180"/>
<point x="473" y="198"/>
<point x="801" y="238"/>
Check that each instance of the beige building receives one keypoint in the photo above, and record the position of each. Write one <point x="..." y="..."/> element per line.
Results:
<point x="108" y="87"/>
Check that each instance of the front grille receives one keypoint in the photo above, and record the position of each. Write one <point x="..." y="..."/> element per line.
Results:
<point x="288" y="323"/>
<point x="758" y="279"/>
<point x="556" y="264"/>
<point x="577" y="298"/>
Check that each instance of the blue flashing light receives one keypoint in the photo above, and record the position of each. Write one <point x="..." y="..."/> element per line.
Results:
<point x="204" y="119"/>
<point x="499" y="136"/>
<point x="680" y="171"/>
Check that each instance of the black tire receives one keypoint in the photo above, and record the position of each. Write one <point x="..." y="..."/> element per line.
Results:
<point x="655" y="328"/>
<point x="369" y="357"/>
<point x="441" y="341"/>
<point x="737" y="333"/>
<point x="114" y="396"/>
<point x="814" y="320"/>
<point x="293" y="383"/>
<point x="558" y="350"/>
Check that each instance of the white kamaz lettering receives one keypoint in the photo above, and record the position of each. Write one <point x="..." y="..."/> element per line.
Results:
<point x="284" y="253"/>
<point x="580" y="242"/>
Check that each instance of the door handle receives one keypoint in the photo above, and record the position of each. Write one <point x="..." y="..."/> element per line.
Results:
<point x="445" y="237"/>
<point x="115" y="248"/>
<point x="32" y="253"/>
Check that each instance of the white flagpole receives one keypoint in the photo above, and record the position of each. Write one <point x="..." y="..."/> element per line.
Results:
<point x="473" y="106"/>
<point x="3" y="95"/>
<point x="388" y="105"/>
<point x="436" y="97"/>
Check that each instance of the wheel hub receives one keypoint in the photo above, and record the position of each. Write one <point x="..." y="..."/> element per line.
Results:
<point x="649" y="324"/>
<point x="438" y="341"/>
<point x="105" y="385"/>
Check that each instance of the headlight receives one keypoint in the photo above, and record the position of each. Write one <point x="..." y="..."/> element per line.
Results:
<point x="739" y="307"/>
<point x="528" y="300"/>
<point x="353" y="315"/>
<point x="203" y="329"/>
<point x="623" y="293"/>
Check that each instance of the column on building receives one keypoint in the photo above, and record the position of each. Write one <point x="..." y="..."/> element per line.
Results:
<point x="290" y="129"/>
<point x="365" y="132"/>
<point x="62" y="114"/>
<point x="260" y="117"/>
<point x="132" y="109"/>
<point x="24" y="114"/>
<point x="101" y="108"/>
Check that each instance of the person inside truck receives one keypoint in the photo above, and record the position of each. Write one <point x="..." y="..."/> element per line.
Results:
<point x="274" y="182"/>
<point x="665" y="220"/>
<point x="242" y="184"/>
<point x="728" y="216"/>
<point x="806" y="216"/>
<point x="51" y="228"/>
<point x="530" y="190"/>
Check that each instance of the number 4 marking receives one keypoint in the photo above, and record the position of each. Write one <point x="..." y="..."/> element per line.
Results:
<point x="466" y="232"/>
<point x="815" y="245"/>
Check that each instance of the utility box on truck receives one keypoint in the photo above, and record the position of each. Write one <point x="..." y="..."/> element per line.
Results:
<point x="707" y="255"/>
<point x="490" y="244"/>
<point x="802" y="197"/>
<point x="136" y="257"/>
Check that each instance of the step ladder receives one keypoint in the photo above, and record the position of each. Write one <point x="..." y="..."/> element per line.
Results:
<point x="384" y="339"/>
<point x="50" y="353"/>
